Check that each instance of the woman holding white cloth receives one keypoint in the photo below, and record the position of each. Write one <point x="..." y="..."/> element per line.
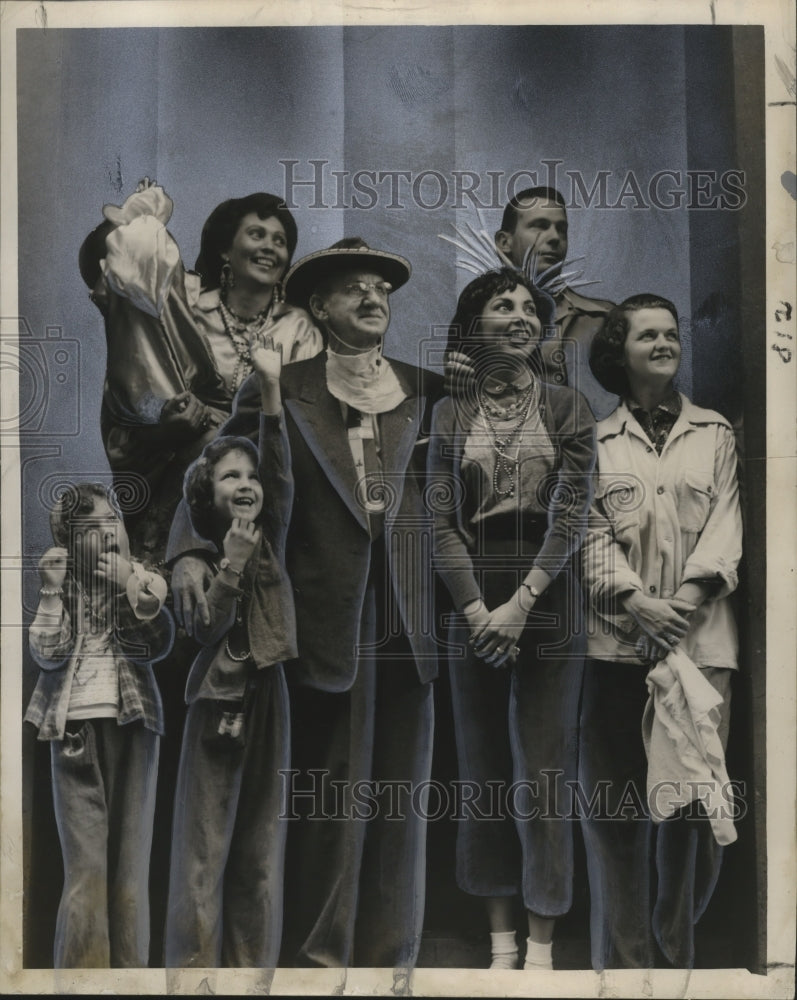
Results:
<point x="659" y="565"/>
<point x="178" y="340"/>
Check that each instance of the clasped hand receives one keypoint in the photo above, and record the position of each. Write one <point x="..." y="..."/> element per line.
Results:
<point x="184" y="414"/>
<point x="664" y="622"/>
<point x="494" y="634"/>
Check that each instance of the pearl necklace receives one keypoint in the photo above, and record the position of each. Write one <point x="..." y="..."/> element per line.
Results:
<point x="506" y="466"/>
<point x="242" y="332"/>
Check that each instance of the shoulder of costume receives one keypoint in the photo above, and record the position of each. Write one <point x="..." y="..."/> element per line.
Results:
<point x="584" y="304"/>
<point x="208" y="299"/>
<point x="284" y="310"/>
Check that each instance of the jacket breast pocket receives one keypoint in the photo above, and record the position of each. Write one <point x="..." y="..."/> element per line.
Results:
<point x="619" y="498"/>
<point x="695" y="494"/>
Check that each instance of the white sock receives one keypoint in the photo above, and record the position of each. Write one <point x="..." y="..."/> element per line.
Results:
<point x="538" y="955"/>
<point x="504" y="950"/>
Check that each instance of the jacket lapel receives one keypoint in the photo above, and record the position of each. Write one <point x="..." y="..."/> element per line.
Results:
<point x="398" y="430"/>
<point x="317" y="416"/>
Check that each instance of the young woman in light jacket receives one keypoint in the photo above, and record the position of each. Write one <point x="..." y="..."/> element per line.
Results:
<point x="659" y="565"/>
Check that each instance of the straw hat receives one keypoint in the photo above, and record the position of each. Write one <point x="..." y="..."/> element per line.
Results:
<point x="352" y="253"/>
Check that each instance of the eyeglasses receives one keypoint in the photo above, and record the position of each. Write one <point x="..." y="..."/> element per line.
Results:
<point x="361" y="288"/>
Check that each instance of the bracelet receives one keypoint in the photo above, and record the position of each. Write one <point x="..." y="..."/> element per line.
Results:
<point x="58" y="592"/>
<point x="225" y="564"/>
<point x="475" y="602"/>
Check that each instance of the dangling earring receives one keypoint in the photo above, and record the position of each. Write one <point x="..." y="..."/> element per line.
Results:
<point x="226" y="278"/>
<point x="278" y="295"/>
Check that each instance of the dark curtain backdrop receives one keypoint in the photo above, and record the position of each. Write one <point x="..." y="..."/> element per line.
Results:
<point x="210" y="113"/>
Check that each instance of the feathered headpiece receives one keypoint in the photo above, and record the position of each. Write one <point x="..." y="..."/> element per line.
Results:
<point x="480" y="254"/>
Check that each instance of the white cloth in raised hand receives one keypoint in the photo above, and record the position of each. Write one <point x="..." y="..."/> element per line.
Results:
<point x="152" y="200"/>
<point x="140" y="263"/>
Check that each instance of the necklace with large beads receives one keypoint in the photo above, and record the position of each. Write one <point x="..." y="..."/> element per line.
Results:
<point x="506" y="466"/>
<point x="242" y="332"/>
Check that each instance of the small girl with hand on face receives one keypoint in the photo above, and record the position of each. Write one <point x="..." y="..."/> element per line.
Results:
<point x="99" y="627"/>
<point x="228" y="841"/>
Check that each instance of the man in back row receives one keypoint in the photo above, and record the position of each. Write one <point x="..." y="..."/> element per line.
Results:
<point x="536" y="220"/>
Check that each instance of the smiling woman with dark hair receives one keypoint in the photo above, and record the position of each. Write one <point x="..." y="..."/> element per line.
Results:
<point x="510" y="465"/>
<point x="660" y="562"/>
<point x="178" y="341"/>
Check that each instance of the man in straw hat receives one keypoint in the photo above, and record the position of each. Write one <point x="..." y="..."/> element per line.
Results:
<point x="358" y="557"/>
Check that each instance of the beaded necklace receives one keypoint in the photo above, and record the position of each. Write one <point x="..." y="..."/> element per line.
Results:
<point x="245" y="654"/>
<point x="506" y="465"/>
<point x="242" y="331"/>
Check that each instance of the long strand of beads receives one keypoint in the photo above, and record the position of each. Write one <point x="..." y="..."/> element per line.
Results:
<point x="505" y="467"/>
<point x="245" y="654"/>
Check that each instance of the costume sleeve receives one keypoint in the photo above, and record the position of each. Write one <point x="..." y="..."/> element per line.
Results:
<point x="296" y="333"/>
<point x="142" y="259"/>
<point x="719" y="547"/>
<point x="148" y="448"/>
<point x="569" y="502"/>
<point x="444" y="495"/>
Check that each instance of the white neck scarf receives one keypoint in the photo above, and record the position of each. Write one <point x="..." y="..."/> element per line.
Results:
<point x="365" y="381"/>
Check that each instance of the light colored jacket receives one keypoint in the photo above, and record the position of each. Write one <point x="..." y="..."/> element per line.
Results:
<point x="658" y="521"/>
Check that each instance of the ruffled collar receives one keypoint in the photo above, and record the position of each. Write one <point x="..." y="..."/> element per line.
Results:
<point x="365" y="381"/>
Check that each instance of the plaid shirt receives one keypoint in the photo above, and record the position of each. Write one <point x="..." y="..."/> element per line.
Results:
<point x="135" y="644"/>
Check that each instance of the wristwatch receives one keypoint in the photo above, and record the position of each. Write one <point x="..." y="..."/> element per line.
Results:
<point x="225" y="564"/>
<point x="534" y="595"/>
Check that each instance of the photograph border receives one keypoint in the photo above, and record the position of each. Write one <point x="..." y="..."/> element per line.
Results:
<point x="778" y="20"/>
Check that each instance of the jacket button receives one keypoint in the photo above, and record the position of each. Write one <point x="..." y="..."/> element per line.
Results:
<point x="558" y="378"/>
<point x="659" y="489"/>
<point x="652" y="589"/>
